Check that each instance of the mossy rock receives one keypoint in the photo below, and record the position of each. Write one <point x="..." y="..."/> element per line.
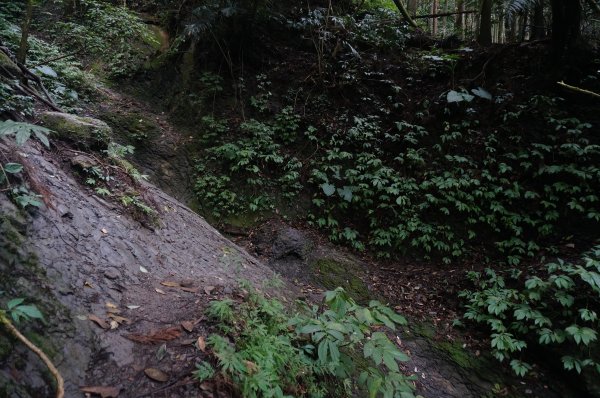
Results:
<point x="332" y="273"/>
<point x="133" y="127"/>
<point x="85" y="130"/>
<point x="9" y="65"/>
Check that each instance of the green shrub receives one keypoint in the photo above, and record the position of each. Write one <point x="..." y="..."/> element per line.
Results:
<point x="557" y="309"/>
<point x="335" y="349"/>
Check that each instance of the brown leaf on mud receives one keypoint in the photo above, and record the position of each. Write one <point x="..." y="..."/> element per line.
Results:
<point x="104" y="392"/>
<point x="190" y="289"/>
<point x="119" y="319"/>
<point x="208" y="289"/>
<point x="110" y="305"/>
<point x="98" y="321"/>
<point x="170" y="284"/>
<point x="201" y="344"/>
<point x="158" y="336"/>
<point x="187" y="325"/>
<point x="156" y="374"/>
<point x="114" y="325"/>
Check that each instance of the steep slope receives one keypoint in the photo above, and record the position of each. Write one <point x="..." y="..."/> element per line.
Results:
<point x="85" y="257"/>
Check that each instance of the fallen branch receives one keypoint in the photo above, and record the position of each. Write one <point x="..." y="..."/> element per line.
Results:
<point x="578" y="90"/>
<point x="444" y="14"/>
<point x="47" y="61"/>
<point x="28" y="75"/>
<point x="60" y="384"/>
<point x="29" y="91"/>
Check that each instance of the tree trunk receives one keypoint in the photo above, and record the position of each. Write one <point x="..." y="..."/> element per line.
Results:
<point x="500" y="38"/>
<point x="523" y="27"/>
<point x="485" y="25"/>
<point x="566" y="20"/>
<point x="459" y="22"/>
<point x="412" y="7"/>
<point x="434" y="21"/>
<point x="24" y="46"/>
<point x="405" y="14"/>
<point x="539" y="29"/>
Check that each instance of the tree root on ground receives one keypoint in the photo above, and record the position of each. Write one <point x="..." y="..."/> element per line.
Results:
<point x="60" y="384"/>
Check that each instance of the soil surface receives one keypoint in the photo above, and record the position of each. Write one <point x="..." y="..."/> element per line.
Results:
<point x="100" y="265"/>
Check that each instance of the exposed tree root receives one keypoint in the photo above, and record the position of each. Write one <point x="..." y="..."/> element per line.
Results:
<point x="60" y="384"/>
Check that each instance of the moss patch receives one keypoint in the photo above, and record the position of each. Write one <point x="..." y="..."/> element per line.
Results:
<point x="331" y="273"/>
<point x="459" y="355"/>
<point x="423" y="329"/>
<point x="133" y="127"/>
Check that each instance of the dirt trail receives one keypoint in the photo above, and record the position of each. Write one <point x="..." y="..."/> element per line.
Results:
<point x="92" y="253"/>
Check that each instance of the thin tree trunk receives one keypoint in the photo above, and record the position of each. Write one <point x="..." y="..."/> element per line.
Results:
<point x="566" y="20"/>
<point x="24" y="46"/>
<point x="434" y="21"/>
<point x="523" y="34"/>
<point x="459" y="22"/>
<point x="412" y="7"/>
<point x="405" y="14"/>
<point x="539" y="30"/>
<point x="485" y="25"/>
<point x="500" y="38"/>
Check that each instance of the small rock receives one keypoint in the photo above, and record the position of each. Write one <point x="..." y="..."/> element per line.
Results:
<point x="84" y="161"/>
<point x="227" y="290"/>
<point x="112" y="273"/>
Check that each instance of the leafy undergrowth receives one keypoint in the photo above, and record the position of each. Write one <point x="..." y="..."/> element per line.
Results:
<point x="443" y="173"/>
<point x="338" y="348"/>
<point x="556" y="310"/>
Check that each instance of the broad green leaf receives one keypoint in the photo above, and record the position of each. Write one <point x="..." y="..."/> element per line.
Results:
<point x="14" y="302"/>
<point x="13" y="168"/>
<point x="31" y="311"/>
<point x="328" y="189"/>
<point x="482" y="93"/>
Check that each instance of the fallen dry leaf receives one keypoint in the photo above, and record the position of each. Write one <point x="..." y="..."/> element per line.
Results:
<point x="158" y="336"/>
<point x="251" y="366"/>
<point x="98" y="321"/>
<point x="156" y="374"/>
<point x="133" y="307"/>
<point x="119" y="319"/>
<point x="208" y="289"/>
<point x="144" y="270"/>
<point x="110" y="305"/>
<point x="170" y="284"/>
<point x="190" y="289"/>
<point x="114" y="325"/>
<point x="187" y="325"/>
<point x="104" y="392"/>
<point x="160" y="291"/>
<point x="104" y="231"/>
<point x="87" y="284"/>
<point x="201" y="344"/>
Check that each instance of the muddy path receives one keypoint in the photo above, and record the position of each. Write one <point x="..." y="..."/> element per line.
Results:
<point x="99" y="277"/>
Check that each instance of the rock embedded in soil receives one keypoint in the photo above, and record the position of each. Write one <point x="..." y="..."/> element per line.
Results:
<point x="81" y="129"/>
